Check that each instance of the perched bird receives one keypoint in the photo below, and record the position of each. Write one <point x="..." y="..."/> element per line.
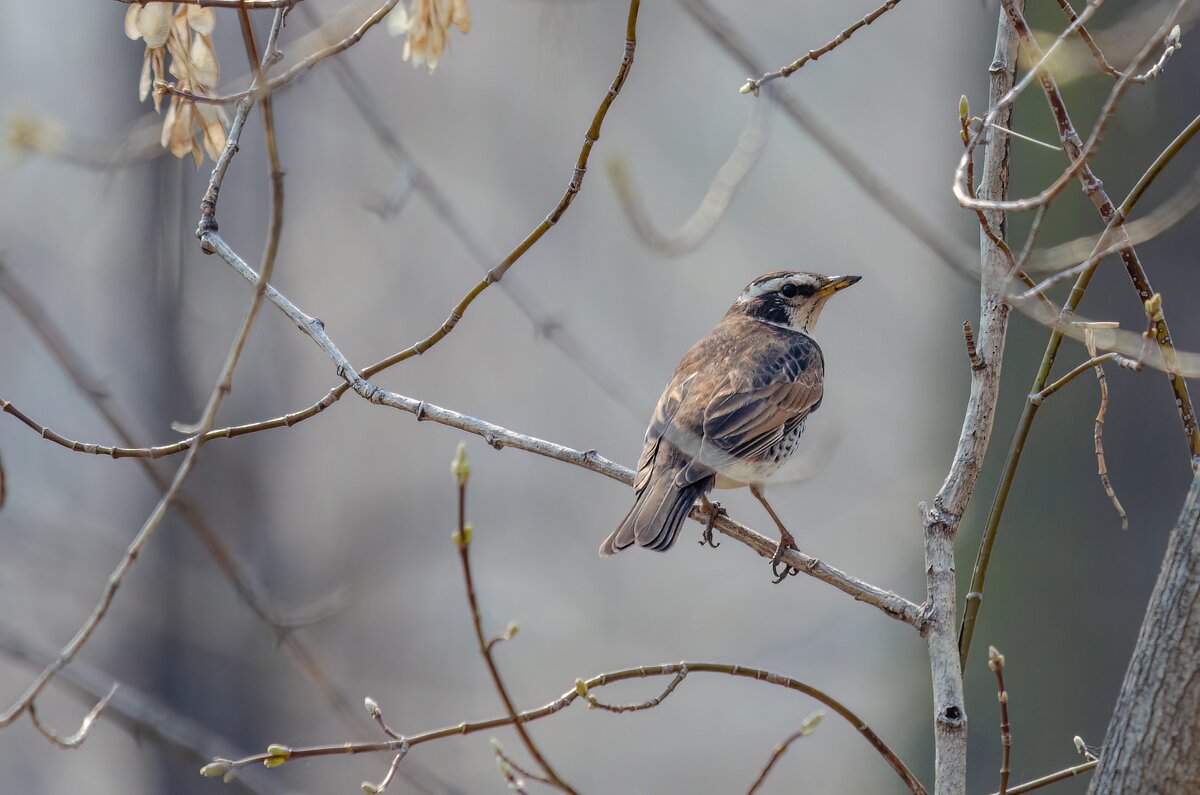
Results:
<point x="733" y="412"/>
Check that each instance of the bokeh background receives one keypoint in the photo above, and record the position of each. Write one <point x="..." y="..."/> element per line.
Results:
<point x="359" y="504"/>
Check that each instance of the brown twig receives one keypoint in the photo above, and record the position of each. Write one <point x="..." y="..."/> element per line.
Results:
<point x="508" y="767"/>
<point x="619" y="709"/>
<point x="806" y="728"/>
<point x="996" y="663"/>
<point x="76" y="739"/>
<point x="753" y="85"/>
<point x="601" y="680"/>
<point x="1171" y="44"/>
<point x="462" y="539"/>
<point x="1098" y="430"/>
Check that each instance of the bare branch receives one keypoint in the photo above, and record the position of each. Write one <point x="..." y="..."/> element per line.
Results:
<point x="752" y="85"/>
<point x="996" y="663"/>
<point x="76" y="739"/>
<point x="462" y="539"/>
<point x="1170" y="44"/>
<point x="601" y="680"/>
<point x="806" y="728"/>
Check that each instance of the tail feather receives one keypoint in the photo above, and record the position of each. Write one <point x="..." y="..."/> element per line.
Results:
<point x="656" y="515"/>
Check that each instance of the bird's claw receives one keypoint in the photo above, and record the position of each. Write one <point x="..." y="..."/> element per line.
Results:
<point x="780" y="568"/>
<point x="714" y="511"/>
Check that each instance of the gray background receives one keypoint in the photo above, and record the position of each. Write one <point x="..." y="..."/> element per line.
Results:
<point x="361" y="499"/>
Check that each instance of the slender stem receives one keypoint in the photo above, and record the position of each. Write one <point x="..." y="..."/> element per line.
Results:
<point x="1053" y="778"/>
<point x="463" y="540"/>
<point x="601" y="680"/>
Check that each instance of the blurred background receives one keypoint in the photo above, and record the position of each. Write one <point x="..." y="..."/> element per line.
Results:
<point x="354" y="508"/>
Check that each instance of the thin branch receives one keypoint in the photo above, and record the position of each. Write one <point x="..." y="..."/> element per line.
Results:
<point x="138" y="713"/>
<point x="76" y="739"/>
<point x="601" y="680"/>
<point x="290" y="74"/>
<point x="619" y="709"/>
<point x="510" y="769"/>
<point x="1098" y="431"/>
<point x="1053" y="778"/>
<point x="462" y="539"/>
<point x="752" y="85"/>
<point x="1170" y="43"/>
<point x="1112" y="216"/>
<point x="806" y="728"/>
<point x="996" y="663"/>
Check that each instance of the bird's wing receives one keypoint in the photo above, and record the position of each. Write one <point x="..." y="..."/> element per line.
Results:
<point x="668" y="405"/>
<point x="762" y="401"/>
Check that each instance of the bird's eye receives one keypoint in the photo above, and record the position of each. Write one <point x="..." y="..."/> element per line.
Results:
<point x="789" y="290"/>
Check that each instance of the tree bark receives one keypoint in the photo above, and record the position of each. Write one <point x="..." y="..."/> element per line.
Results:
<point x="1153" y="741"/>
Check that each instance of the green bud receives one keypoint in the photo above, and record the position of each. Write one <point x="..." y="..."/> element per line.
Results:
<point x="459" y="466"/>
<point x="372" y="707"/>
<point x="964" y="110"/>
<point x="462" y="540"/>
<point x="511" y="630"/>
<point x="581" y="688"/>
<point x="370" y="788"/>
<point x="1173" y="37"/>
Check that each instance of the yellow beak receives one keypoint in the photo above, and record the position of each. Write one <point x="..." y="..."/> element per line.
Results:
<point x="838" y="283"/>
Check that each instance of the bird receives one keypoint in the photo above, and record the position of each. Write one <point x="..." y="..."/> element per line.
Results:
<point x="733" y="412"/>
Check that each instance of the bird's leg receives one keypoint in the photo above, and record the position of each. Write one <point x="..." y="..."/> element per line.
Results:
<point x="714" y="510"/>
<point x="786" y="541"/>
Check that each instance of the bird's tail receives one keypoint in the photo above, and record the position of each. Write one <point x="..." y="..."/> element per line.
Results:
<point x="656" y="515"/>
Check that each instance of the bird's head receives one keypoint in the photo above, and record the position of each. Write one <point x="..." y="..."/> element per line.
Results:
<point x="789" y="299"/>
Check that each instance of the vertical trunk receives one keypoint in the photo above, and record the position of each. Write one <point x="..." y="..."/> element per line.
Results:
<point x="1153" y="741"/>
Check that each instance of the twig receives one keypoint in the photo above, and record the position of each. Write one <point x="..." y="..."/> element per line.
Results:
<point x="1053" y="778"/>
<point x="138" y="713"/>
<point x="503" y="759"/>
<point x="1098" y="430"/>
<point x="712" y="207"/>
<point x="1171" y="45"/>
<point x="996" y="663"/>
<point x="1100" y="198"/>
<point x="752" y="85"/>
<point x="76" y="739"/>
<point x="287" y="76"/>
<point x="375" y="789"/>
<point x="462" y="539"/>
<point x="601" y="680"/>
<point x="806" y="728"/>
<point x="623" y="708"/>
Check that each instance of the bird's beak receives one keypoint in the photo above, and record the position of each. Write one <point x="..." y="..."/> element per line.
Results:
<point x="838" y="283"/>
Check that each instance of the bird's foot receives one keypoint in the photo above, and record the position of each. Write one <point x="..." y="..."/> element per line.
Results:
<point x="714" y="511"/>
<point x="779" y="567"/>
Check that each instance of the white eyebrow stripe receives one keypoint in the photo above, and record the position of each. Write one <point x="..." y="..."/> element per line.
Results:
<point x="764" y="287"/>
